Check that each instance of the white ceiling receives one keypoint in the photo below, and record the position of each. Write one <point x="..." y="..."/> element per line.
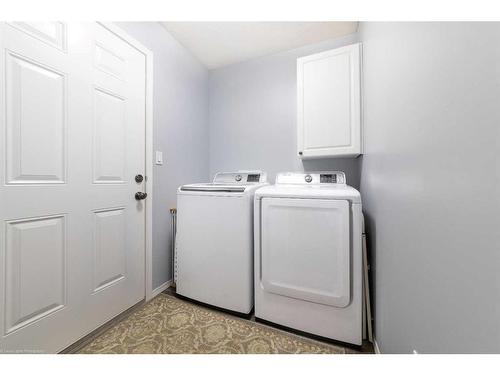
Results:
<point x="217" y="44"/>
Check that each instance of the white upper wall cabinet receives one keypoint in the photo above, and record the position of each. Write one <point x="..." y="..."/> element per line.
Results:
<point x="329" y="103"/>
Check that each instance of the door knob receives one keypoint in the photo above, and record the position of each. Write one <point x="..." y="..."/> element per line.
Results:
<point x="140" y="195"/>
<point x="139" y="178"/>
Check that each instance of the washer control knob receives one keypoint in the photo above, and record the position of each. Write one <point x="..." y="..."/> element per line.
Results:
<point x="238" y="177"/>
<point x="308" y="178"/>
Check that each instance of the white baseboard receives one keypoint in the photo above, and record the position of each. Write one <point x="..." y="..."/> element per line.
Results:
<point x="161" y="288"/>
<point x="375" y="346"/>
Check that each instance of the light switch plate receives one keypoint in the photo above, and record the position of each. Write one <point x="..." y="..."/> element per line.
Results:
<point x="159" y="158"/>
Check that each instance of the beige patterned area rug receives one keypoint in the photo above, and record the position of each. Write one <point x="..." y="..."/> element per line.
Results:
<point x="170" y="325"/>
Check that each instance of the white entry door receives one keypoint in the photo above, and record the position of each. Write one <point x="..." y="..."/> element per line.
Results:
<point x="72" y="235"/>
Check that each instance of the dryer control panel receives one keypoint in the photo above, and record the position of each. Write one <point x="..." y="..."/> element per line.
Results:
<point x="313" y="178"/>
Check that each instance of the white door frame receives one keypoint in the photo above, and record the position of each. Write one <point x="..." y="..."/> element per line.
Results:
<point x="149" y="151"/>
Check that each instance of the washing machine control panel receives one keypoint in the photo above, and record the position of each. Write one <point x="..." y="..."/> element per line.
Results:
<point x="240" y="177"/>
<point x="316" y="178"/>
<point x="254" y="177"/>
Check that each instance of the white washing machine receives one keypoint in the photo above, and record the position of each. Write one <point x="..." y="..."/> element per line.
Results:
<point x="308" y="255"/>
<point x="214" y="240"/>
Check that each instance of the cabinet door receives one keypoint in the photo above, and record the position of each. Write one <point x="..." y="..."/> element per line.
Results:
<point x="328" y="103"/>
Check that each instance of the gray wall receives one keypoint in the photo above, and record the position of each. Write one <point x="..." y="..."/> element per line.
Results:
<point x="180" y="130"/>
<point x="253" y="116"/>
<point x="430" y="183"/>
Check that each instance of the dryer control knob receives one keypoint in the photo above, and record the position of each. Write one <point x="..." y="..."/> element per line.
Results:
<point x="308" y="178"/>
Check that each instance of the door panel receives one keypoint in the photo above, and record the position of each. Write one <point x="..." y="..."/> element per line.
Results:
<point x="35" y="270"/>
<point x="109" y="152"/>
<point x="35" y="94"/>
<point x="53" y="33"/>
<point x="109" y="261"/>
<point x="295" y="262"/>
<point x="72" y="236"/>
<point x="109" y="61"/>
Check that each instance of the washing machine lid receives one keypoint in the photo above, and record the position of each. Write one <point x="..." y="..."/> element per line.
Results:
<point x="211" y="187"/>
<point x="230" y="182"/>
<point x="321" y="185"/>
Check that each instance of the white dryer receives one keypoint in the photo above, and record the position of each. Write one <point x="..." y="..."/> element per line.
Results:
<point x="214" y="241"/>
<point x="308" y="255"/>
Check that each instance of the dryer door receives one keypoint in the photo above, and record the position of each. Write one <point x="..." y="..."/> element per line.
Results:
<point x="305" y="249"/>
